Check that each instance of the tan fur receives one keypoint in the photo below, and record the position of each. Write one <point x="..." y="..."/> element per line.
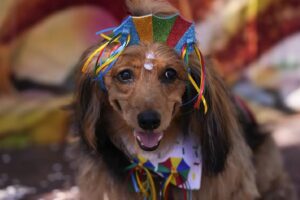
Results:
<point x="246" y="175"/>
<point x="6" y="51"/>
<point x="272" y="181"/>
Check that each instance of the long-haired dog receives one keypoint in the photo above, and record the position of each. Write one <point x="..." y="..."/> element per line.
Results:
<point x="144" y="111"/>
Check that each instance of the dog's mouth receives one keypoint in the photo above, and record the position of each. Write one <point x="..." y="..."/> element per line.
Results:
<point x="148" y="140"/>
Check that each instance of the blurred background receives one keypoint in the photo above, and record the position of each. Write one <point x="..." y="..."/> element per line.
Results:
<point x="254" y="43"/>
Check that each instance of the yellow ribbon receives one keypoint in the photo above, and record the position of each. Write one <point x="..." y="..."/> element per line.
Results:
<point x="193" y="81"/>
<point x="202" y="81"/>
<point x="168" y="181"/>
<point x="152" y="185"/>
<point x="141" y="186"/>
<point x="88" y="61"/>
<point x="105" y="36"/>
<point x="111" y="59"/>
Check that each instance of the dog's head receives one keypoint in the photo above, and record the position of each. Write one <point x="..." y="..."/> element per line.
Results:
<point x="145" y="87"/>
<point x="148" y="103"/>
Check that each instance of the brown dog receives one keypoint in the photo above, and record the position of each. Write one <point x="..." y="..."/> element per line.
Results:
<point x="238" y="161"/>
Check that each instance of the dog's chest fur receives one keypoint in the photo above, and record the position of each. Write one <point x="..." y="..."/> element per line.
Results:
<point x="105" y="175"/>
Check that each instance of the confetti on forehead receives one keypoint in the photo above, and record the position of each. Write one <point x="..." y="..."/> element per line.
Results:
<point x="148" y="65"/>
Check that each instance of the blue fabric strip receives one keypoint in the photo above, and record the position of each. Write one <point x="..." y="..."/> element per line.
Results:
<point x="128" y="27"/>
<point x="189" y="36"/>
<point x="102" y="74"/>
<point x="136" y="188"/>
<point x="105" y="30"/>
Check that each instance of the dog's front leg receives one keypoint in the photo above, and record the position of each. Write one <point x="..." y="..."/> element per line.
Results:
<point x="97" y="183"/>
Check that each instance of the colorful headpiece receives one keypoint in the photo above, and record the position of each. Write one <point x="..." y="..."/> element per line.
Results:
<point x="172" y="30"/>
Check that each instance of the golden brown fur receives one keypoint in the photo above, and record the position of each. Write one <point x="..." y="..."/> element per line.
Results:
<point x="106" y="121"/>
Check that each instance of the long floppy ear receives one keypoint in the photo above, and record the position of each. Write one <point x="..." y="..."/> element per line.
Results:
<point x="89" y="102"/>
<point x="216" y="126"/>
<point x="91" y="105"/>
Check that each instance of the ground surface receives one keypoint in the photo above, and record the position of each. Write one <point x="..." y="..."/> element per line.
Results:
<point x="38" y="170"/>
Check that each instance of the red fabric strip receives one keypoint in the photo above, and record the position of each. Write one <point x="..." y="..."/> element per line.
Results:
<point x="179" y="28"/>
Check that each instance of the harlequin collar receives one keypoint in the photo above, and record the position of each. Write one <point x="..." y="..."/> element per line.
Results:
<point x="173" y="30"/>
<point x="180" y="167"/>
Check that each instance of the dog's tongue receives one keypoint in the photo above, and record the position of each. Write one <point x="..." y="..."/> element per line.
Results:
<point x="148" y="139"/>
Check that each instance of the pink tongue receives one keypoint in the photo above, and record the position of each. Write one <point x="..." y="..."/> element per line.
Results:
<point x="148" y="139"/>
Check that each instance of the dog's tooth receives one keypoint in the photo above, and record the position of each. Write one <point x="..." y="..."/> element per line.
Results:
<point x="139" y="138"/>
<point x="160" y="137"/>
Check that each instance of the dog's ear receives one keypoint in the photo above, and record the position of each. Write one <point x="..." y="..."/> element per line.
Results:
<point x="89" y="104"/>
<point x="91" y="107"/>
<point x="213" y="128"/>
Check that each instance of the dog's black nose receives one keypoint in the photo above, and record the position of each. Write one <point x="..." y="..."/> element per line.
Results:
<point x="149" y="120"/>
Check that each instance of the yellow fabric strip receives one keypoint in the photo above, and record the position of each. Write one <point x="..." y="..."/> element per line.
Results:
<point x="204" y="104"/>
<point x="167" y="183"/>
<point x="143" y="26"/>
<point x="198" y="53"/>
<point x="105" y="36"/>
<point x="111" y="59"/>
<point x="88" y="61"/>
<point x="183" y="53"/>
<point x="141" y="185"/>
<point x="197" y="88"/>
<point x="152" y="185"/>
<point x="194" y="83"/>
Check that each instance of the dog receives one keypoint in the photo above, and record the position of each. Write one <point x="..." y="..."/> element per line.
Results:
<point x="145" y="108"/>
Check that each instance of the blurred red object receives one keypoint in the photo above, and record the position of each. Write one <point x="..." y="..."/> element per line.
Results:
<point x="26" y="13"/>
<point x="280" y="20"/>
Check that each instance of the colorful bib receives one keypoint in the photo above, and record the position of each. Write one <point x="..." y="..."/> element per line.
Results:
<point x="181" y="167"/>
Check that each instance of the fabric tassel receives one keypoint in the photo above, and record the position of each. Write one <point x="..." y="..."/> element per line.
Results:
<point x="200" y="88"/>
<point x="103" y="67"/>
<point x="147" y="186"/>
<point x="186" y="191"/>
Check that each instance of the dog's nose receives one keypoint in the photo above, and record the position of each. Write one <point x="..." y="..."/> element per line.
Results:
<point x="149" y="120"/>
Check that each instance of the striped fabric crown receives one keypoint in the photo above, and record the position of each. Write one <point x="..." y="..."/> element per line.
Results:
<point x="172" y="30"/>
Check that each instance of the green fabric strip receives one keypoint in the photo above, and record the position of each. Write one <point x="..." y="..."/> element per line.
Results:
<point x="162" y="28"/>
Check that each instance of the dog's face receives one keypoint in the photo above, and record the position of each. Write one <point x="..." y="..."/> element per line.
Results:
<point x="145" y="87"/>
<point x="141" y="110"/>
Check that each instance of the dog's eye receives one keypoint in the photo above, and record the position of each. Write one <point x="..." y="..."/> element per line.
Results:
<point x="125" y="76"/>
<point x="169" y="75"/>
